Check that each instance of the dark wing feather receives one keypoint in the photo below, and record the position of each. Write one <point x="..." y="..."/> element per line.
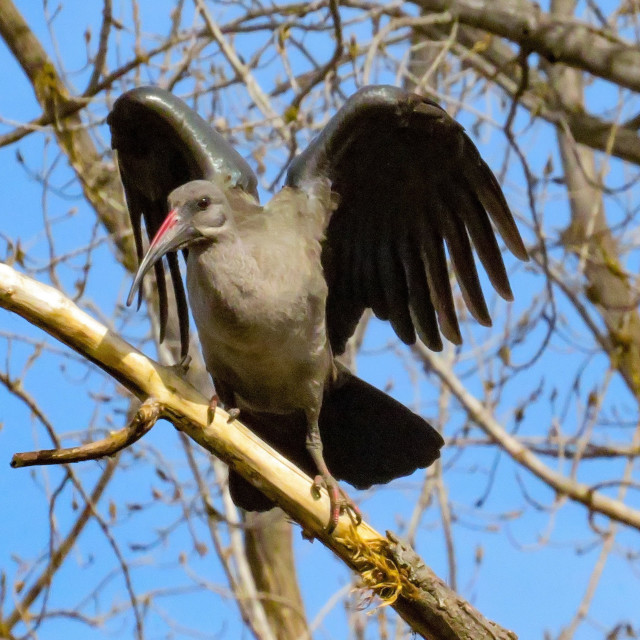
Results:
<point x="410" y="183"/>
<point x="162" y="143"/>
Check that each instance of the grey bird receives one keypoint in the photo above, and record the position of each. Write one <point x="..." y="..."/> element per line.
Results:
<point x="277" y="290"/>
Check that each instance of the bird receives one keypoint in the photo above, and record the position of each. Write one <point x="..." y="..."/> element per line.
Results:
<point x="277" y="290"/>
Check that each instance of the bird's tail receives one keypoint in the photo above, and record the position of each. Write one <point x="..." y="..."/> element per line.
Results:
<point x="368" y="438"/>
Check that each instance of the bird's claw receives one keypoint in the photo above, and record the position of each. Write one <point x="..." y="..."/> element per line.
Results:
<point x="211" y="409"/>
<point x="340" y="502"/>
<point x="180" y="368"/>
<point x="234" y="412"/>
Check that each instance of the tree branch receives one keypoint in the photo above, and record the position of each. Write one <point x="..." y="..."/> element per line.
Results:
<point x="56" y="558"/>
<point x="590" y="238"/>
<point x="495" y="60"/>
<point x="142" y="422"/>
<point x="420" y="597"/>
<point x="96" y="177"/>
<point x="571" y="42"/>
<point x="592" y="499"/>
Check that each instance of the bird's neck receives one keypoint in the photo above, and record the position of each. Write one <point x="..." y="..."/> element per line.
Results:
<point x="245" y="270"/>
<point x="266" y="260"/>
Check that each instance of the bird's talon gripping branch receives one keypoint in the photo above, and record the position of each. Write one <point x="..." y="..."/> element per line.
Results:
<point x="315" y="488"/>
<point x="340" y="502"/>
<point x="233" y="413"/>
<point x="181" y="367"/>
<point x="211" y="409"/>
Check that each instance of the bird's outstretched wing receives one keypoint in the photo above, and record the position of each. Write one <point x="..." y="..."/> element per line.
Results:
<point x="162" y="144"/>
<point x="410" y="182"/>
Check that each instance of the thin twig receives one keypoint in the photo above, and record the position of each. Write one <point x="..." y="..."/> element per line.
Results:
<point x="146" y="416"/>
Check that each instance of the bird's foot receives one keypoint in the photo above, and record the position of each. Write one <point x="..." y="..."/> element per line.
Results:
<point x="180" y="368"/>
<point x="211" y="409"/>
<point x="340" y="502"/>
<point x="234" y="412"/>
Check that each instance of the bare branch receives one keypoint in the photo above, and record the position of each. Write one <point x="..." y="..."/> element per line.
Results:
<point x="60" y="552"/>
<point x="569" y="41"/>
<point x="577" y="491"/>
<point x="143" y="421"/>
<point x="427" y="605"/>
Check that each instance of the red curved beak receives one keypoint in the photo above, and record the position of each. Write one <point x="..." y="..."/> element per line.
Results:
<point x="171" y="236"/>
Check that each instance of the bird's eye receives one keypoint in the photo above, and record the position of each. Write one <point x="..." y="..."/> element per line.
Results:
<point x="203" y="203"/>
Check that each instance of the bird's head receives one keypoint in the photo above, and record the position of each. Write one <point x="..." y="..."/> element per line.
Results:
<point x="198" y="211"/>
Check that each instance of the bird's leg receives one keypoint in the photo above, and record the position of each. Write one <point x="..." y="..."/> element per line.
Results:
<point x="339" y="500"/>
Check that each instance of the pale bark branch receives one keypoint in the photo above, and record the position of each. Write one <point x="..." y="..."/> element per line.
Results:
<point x="142" y="422"/>
<point x="233" y="558"/>
<point x="562" y="485"/>
<point x="389" y="569"/>
<point x="268" y="540"/>
<point x="259" y="97"/>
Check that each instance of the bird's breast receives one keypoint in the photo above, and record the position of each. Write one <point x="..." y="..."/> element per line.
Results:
<point x="261" y="327"/>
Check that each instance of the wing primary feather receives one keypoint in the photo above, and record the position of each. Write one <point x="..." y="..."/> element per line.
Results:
<point x="403" y="326"/>
<point x="460" y="197"/>
<point x="136" y="220"/>
<point x="364" y="273"/>
<point x="421" y="309"/>
<point x="344" y="302"/>
<point x="336" y="259"/>
<point x="163" y="302"/>
<point x="394" y="287"/>
<point x="348" y="238"/>
<point x="397" y="161"/>
<point x="464" y="266"/>
<point x="484" y="183"/>
<point x="181" y="302"/>
<point x="353" y="238"/>
<point x="386" y="275"/>
<point x="479" y="175"/>
<point x="342" y="319"/>
<point x="435" y="262"/>
<point x="161" y="143"/>
<point x="135" y="206"/>
<point x="483" y="239"/>
<point x="380" y="281"/>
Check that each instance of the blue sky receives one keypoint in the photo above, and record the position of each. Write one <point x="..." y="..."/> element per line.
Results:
<point x="522" y="583"/>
